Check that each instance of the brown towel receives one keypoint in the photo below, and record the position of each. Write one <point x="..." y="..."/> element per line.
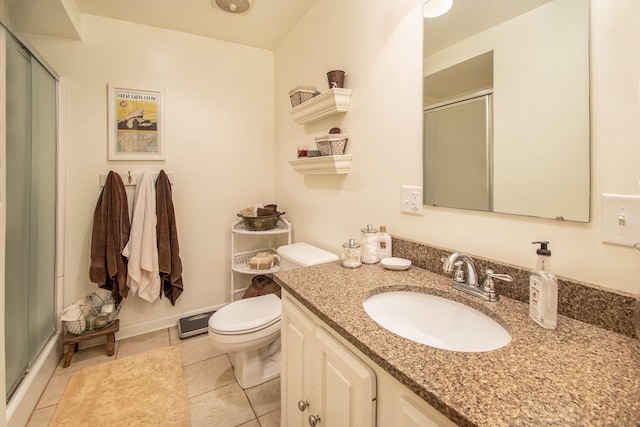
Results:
<point x="110" y="234"/>
<point x="168" y="248"/>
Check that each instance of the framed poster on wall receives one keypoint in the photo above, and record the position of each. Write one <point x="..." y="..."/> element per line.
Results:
<point x="135" y="123"/>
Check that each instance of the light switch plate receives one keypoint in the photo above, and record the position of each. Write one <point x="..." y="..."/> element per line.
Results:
<point x="412" y="200"/>
<point x="621" y="219"/>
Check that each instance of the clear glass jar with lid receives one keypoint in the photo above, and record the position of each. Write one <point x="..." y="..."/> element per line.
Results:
<point x="370" y="245"/>
<point x="351" y="254"/>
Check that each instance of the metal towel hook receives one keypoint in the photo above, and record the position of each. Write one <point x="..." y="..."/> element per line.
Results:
<point x="129" y="177"/>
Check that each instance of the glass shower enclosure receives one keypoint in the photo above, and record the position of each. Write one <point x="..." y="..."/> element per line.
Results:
<point x="457" y="154"/>
<point x="30" y="203"/>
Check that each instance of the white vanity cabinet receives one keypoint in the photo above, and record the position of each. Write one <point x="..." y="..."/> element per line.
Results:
<point x="325" y="376"/>
<point x="323" y="383"/>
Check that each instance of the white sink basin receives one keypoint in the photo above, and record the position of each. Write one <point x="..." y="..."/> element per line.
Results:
<point x="436" y="322"/>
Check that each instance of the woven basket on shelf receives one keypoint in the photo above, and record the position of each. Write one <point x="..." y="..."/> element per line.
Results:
<point x="332" y="144"/>
<point x="96" y="314"/>
<point x="301" y="94"/>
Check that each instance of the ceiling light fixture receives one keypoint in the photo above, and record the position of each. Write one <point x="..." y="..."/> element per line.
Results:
<point x="237" y="7"/>
<point x="435" y="8"/>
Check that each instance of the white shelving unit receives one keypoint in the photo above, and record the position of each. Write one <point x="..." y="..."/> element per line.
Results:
<point x="334" y="101"/>
<point x="339" y="164"/>
<point x="240" y="260"/>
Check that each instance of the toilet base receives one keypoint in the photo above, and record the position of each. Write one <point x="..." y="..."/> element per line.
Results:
<point x="254" y="367"/>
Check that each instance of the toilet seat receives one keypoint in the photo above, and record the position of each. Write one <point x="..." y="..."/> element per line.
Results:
<point x="246" y="316"/>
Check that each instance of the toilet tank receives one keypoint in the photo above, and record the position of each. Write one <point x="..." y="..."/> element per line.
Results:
<point x="303" y="255"/>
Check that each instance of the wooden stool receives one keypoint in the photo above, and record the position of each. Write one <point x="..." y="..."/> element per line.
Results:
<point x="73" y="340"/>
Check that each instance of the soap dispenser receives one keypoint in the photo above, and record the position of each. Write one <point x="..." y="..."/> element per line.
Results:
<point x="543" y="290"/>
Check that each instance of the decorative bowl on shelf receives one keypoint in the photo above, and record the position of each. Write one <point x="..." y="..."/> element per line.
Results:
<point x="261" y="223"/>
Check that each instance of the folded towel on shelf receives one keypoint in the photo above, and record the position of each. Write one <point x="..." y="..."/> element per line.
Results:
<point x="168" y="248"/>
<point x="109" y="236"/>
<point x="142" y="247"/>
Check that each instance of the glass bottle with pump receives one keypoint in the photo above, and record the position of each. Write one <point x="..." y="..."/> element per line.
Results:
<point x="543" y="290"/>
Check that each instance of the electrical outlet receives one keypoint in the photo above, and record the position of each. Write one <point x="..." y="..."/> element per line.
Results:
<point x="412" y="202"/>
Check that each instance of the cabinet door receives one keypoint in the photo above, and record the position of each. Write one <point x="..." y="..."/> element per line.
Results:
<point x="297" y="342"/>
<point x="345" y="386"/>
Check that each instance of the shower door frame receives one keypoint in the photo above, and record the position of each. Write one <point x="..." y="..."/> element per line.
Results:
<point x="25" y="398"/>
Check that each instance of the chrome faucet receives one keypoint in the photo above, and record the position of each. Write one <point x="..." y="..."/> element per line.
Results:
<point x="465" y="269"/>
<point x="465" y="277"/>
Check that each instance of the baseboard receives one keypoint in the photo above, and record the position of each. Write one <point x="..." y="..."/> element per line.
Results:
<point x="157" y="324"/>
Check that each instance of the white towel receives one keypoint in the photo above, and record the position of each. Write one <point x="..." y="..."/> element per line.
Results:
<point x="142" y="247"/>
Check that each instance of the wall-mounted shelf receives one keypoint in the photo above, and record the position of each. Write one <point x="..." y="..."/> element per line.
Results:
<point x="334" y="101"/>
<point x="339" y="164"/>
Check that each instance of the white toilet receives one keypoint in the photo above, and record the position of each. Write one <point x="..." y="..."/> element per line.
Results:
<point x="249" y="329"/>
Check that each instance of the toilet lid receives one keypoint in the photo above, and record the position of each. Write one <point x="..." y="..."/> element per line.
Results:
<point x="247" y="315"/>
<point x="304" y="255"/>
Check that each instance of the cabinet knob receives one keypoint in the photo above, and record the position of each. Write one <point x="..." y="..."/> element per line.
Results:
<point x="313" y="420"/>
<point x="302" y="405"/>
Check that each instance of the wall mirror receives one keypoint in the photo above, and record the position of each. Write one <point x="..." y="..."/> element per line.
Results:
<point x="506" y="108"/>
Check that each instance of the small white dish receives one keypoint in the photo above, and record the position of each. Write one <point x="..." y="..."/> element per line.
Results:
<point x="395" y="263"/>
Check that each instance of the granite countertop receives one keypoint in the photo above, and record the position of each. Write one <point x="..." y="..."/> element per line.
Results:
<point x="577" y="374"/>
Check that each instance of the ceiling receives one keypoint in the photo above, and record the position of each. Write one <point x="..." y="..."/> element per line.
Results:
<point x="263" y="27"/>
<point x="469" y="17"/>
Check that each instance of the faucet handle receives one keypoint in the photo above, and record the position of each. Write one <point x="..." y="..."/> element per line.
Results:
<point x="446" y="264"/>
<point x="488" y="285"/>
<point x="459" y="275"/>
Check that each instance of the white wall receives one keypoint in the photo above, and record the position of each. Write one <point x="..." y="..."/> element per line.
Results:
<point x="378" y="44"/>
<point x="219" y="143"/>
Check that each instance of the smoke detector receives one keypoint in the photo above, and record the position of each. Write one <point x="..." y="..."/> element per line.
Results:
<point x="234" y="6"/>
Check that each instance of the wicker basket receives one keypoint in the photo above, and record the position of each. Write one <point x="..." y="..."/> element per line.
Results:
<point x="332" y="144"/>
<point x="301" y="94"/>
<point x="95" y="314"/>
<point x="76" y="327"/>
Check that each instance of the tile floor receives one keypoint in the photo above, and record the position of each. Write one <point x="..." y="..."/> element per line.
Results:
<point x="215" y="398"/>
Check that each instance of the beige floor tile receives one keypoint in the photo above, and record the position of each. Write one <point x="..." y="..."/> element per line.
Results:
<point x="42" y="417"/>
<point x="208" y="375"/>
<point x="142" y="343"/>
<point x="174" y="337"/>
<point x="224" y="407"/>
<point x="265" y="398"/>
<point x="215" y="398"/>
<point x="197" y="349"/>
<point x="54" y="390"/>
<point x="85" y="357"/>
<point x="272" y="419"/>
